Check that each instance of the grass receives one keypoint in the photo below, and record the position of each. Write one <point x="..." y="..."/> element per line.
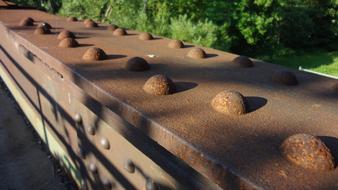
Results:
<point x="323" y="62"/>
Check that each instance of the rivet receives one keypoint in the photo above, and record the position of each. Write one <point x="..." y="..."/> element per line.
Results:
<point x="145" y="36"/>
<point x="159" y="85"/>
<point x="30" y="19"/>
<point x="137" y="64"/>
<point x="94" y="54"/>
<point x="92" y="167"/>
<point x="65" y="34"/>
<point x="335" y="87"/>
<point x="308" y="152"/>
<point x="176" y="44"/>
<point x="107" y="184"/>
<point x="68" y="43"/>
<point x="77" y="118"/>
<point x="91" y="130"/>
<point x="285" y="77"/>
<point x="150" y="185"/>
<point x="229" y="102"/>
<point x="41" y="30"/>
<point x="197" y="53"/>
<point x="27" y="22"/>
<point x="120" y="32"/>
<point x="129" y="166"/>
<point x="243" y="61"/>
<point x="89" y="23"/>
<point x="105" y="143"/>
<point x="112" y="27"/>
<point x="71" y="19"/>
<point x="45" y="25"/>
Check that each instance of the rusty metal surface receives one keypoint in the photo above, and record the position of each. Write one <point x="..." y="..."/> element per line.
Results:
<point x="184" y="123"/>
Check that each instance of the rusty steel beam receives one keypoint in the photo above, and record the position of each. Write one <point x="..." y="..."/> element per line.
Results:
<point x="131" y="110"/>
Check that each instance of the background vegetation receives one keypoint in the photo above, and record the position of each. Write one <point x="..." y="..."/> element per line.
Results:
<point x="268" y="29"/>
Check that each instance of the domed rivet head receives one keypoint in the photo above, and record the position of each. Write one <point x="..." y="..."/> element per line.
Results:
<point x="308" y="152"/>
<point x="92" y="168"/>
<point x="129" y="166"/>
<point x="68" y="43"/>
<point x="91" y="130"/>
<point x="145" y="36"/>
<point x="175" y="44"/>
<point x="27" y="22"/>
<point x="243" y="61"/>
<point x="89" y="23"/>
<point x="120" y="32"/>
<point x="107" y="184"/>
<point x="150" y="185"/>
<point x="335" y="87"/>
<point x="197" y="53"/>
<point x="65" y="34"/>
<point x="41" y="30"/>
<point x="137" y="64"/>
<point x="105" y="143"/>
<point x="229" y="102"/>
<point x="285" y="77"/>
<point x="112" y="27"/>
<point x="159" y="85"/>
<point x="45" y="25"/>
<point x="77" y="118"/>
<point x="71" y="19"/>
<point x="94" y="54"/>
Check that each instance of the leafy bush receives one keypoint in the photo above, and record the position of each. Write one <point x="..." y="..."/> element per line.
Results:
<point x="203" y="32"/>
<point x="249" y="27"/>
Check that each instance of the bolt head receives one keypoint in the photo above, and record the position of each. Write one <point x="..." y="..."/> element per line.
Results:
<point x="105" y="143"/>
<point x="150" y="185"/>
<point x="129" y="166"/>
<point x="78" y="118"/>
<point x="92" y="168"/>
<point x="91" y="130"/>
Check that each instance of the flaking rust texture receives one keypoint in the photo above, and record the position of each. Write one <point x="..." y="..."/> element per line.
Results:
<point x="184" y="122"/>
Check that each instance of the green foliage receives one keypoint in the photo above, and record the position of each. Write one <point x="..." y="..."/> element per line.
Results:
<point x="249" y="27"/>
<point x="203" y="32"/>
